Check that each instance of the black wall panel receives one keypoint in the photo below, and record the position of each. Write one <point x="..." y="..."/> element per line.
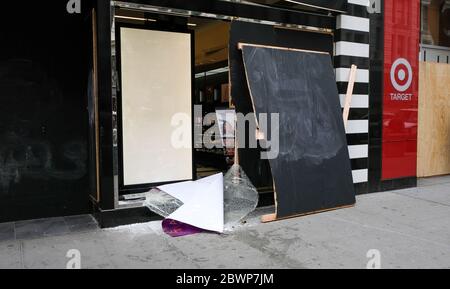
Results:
<point x="108" y="166"/>
<point x="44" y="71"/>
<point x="259" y="170"/>
<point x="376" y="99"/>
<point x="312" y="170"/>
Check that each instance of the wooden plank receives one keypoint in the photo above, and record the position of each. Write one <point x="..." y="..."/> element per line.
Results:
<point x="348" y="97"/>
<point x="241" y="45"/>
<point x="260" y="135"/>
<point x="273" y="217"/>
<point x="269" y="218"/>
<point x="433" y="157"/>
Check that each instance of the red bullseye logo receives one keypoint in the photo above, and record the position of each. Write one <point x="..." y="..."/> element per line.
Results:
<point x="401" y="75"/>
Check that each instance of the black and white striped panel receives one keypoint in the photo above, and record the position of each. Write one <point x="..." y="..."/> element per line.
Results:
<point x="352" y="47"/>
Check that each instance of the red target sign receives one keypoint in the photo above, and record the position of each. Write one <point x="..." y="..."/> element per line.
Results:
<point x="401" y="75"/>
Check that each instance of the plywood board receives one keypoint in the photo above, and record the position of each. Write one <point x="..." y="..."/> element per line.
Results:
<point x="349" y="95"/>
<point x="156" y="87"/>
<point x="434" y="120"/>
<point x="312" y="171"/>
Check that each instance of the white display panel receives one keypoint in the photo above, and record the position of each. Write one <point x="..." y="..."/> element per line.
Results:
<point x="156" y="85"/>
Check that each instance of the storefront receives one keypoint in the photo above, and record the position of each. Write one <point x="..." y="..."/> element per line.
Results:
<point x="186" y="46"/>
<point x="212" y="28"/>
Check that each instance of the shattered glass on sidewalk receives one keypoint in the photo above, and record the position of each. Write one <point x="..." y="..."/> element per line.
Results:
<point x="240" y="197"/>
<point x="162" y="203"/>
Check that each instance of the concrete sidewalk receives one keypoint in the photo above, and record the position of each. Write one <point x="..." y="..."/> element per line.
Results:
<point x="410" y="229"/>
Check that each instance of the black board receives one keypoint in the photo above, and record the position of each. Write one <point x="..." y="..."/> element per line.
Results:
<point x="256" y="169"/>
<point x="45" y="65"/>
<point x="312" y="171"/>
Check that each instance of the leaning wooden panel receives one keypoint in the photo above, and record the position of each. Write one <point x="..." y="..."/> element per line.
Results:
<point x="434" y="120"/>
<point x="311" y="164"/>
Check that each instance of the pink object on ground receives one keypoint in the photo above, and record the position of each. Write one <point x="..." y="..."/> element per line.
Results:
<point x="177" y="229"/>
